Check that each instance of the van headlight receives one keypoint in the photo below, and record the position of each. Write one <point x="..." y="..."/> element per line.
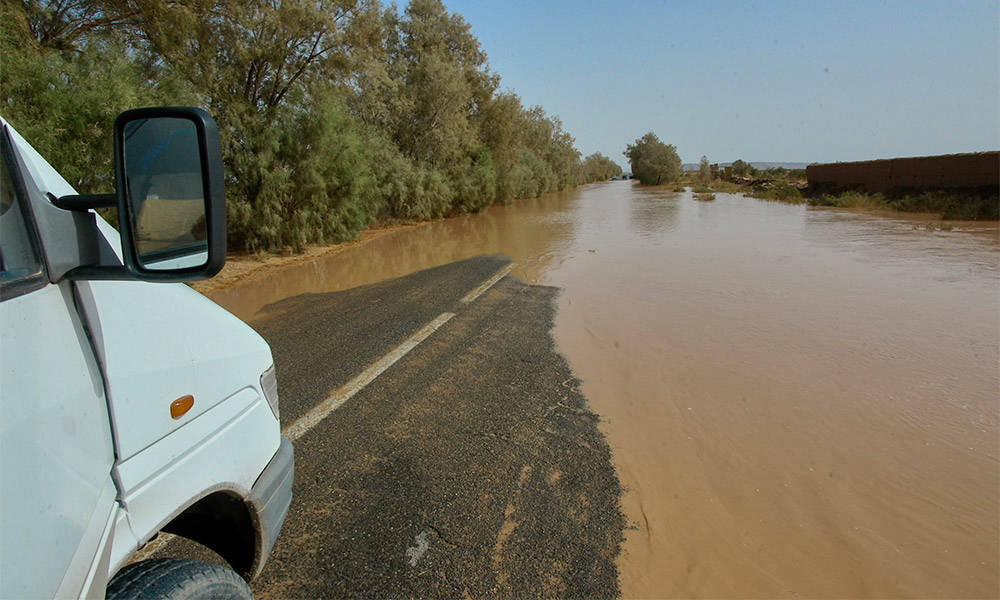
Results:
<point x="269" y="383"/>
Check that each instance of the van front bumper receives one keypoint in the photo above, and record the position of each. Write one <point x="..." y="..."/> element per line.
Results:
<point x="270" y="497"/>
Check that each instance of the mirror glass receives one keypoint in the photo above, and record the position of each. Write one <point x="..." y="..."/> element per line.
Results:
<point x="166" y="192"/>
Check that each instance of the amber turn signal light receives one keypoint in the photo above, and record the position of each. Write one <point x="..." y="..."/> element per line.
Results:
<point x="181" y="405"/>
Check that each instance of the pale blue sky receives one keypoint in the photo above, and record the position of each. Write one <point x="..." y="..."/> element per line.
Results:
<point x="762" y="81"/>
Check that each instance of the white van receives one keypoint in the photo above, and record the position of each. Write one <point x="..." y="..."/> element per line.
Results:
<point x="129" y="404"/>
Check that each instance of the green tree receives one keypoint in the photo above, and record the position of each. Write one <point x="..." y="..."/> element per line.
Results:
<point x="742" y="168"/>
<point x="62" y="84"/>
<point x="319" y="189"/>
<point x="426" y="81"/>
<point x="652" y="161"/>
<point x="444" y="81"/>
<point x="501" y="129"/>
<point x="704" y="170"/>
<point x="598" y="167"/>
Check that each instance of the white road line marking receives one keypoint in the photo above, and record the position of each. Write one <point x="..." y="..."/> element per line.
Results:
<point x="343" y="394"/>
<point x="486" y="284"/>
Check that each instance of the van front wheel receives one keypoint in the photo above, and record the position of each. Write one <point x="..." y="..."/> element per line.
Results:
<point x="177" y="579"/>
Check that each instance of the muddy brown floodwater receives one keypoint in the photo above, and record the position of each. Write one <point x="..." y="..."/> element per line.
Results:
<point x="800" y="401"/>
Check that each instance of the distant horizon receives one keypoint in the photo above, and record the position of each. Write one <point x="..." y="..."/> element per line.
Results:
<point x="840" y="82"/>
<point x="753" y="163"/>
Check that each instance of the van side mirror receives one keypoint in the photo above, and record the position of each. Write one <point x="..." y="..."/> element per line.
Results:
<point x="171" y="199"/>
<point x="170" y="196"/>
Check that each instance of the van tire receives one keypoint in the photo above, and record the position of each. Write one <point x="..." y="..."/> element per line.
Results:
<point x="177" y="579"/>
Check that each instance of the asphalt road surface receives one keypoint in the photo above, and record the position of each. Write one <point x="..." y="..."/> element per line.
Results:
<point x="470" y="467"/>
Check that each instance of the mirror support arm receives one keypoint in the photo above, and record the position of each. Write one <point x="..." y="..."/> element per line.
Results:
<point x="101" y="273"/>
<point x="85" y="201"/>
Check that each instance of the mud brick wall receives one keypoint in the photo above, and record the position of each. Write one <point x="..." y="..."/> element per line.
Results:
<point x="981" y="169"/>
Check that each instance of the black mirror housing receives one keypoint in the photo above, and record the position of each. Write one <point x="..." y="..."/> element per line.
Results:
<point x="171" y="151"/>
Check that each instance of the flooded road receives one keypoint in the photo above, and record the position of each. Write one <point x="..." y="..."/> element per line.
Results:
<point x="799" y="401"/>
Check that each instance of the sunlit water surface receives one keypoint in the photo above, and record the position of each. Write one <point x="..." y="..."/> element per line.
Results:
<point x="800" y="401"/>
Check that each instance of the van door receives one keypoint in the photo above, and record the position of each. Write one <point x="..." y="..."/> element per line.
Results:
<point x="56" y="449"/>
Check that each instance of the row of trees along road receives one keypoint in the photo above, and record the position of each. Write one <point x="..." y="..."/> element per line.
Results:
<point x="333" y="114"/>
